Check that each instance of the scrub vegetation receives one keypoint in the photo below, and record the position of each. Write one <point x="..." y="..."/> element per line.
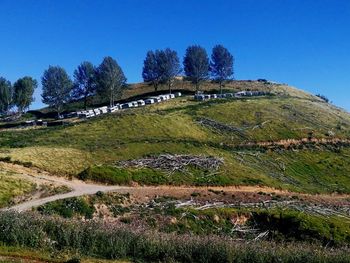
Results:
<point x="90" y="239"/>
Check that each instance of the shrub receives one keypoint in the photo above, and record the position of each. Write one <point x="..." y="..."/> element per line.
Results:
<point x="323" y="97"/>
<point x="100" y="194"/>
<point x="106" y="174"/>
<point x="195" y="194"/>
<point x="114" y="175"/>
<point x="5" y="159"/>
<point x="112" y="242"/>
<point x="68" y="207"/>
<point x="295" y="225"/>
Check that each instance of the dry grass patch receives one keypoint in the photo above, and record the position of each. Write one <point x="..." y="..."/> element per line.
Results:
<point x="12" y="186"/>
<point x="56" y="160"/>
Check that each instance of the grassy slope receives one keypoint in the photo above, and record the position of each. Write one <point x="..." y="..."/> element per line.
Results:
<point x="172" y="127"/>
<point x="11" y="187"/>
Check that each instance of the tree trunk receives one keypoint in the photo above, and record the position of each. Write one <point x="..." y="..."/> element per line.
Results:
<point x="220" y="87"/>
<point x="85" y="102"/>
<point x="58" y="109"/>
<point x="111" y="98"/>
<point x="197" y="86"/>
<point x="169" y="85"/>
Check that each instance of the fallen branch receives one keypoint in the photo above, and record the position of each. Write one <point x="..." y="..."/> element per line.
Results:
<point x="174" y="163"/>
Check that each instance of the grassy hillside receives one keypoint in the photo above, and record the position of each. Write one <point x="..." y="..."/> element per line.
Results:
<point x="215" y="128"/>
<point x="12" y="187"/>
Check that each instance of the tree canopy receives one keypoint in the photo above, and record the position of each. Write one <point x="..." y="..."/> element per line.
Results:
<point x="150" y="71"/>
<point x="196" y="65"/>
<point x="108" y="79"/>
<point x="56" y="86"/>
<point x="221" y="66"/>
<point x="84" y="82"/>
<point x="6" y="95"/>
<point x="169" y="66"/>
<point x="161" y="66"/>
<point x="23" y="92"/>
<point x="111" y="79"/>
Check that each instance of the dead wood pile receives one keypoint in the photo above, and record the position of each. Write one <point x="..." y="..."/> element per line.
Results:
<point x="173" y="163"/>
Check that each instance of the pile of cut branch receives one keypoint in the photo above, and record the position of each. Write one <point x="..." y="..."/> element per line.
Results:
<point x="174" y="163"/>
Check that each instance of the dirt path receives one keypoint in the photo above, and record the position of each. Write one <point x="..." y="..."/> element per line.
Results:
<point x="78" y="187"/>
<point x="144" y="193"/>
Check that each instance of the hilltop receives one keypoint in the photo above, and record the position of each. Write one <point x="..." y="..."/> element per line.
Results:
<point x="142" y="90"/>
<point x="290" y="140"/>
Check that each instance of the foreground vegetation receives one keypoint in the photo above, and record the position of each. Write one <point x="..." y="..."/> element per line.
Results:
<point x="19" y="255"/>
<point x="282" y="222"/>
<point x="91" y="238"/>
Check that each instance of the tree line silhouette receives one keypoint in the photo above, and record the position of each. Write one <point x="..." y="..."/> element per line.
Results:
<point x="108" y="80"/>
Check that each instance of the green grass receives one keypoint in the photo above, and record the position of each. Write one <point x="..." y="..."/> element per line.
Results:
<point x="313" y="171"/>
<point x="307" y="170"/>
<point x="145" y="176"/>
<point x="296" y="225"/>
<point x="282" y="118"/>
<point x="173" y="127"/>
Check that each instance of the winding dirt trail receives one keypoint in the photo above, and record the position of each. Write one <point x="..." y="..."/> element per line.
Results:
<point x="141" y="193"/>
<point x="78" y="187"/>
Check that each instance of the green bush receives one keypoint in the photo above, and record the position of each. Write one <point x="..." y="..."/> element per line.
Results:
<point x="150" y="177"/>
<point x="295" y="225"/>
<point x="114" y="175"/>
<point x="106" y="174"/>
<point x="5" y="159"/>
<point x="67" y="208"/>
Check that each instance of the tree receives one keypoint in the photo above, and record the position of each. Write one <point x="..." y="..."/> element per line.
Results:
<point x="57" y="86"/>
<point x="196" y="65"/>
<point x="111" y="79"/>
<point x="221" y="66"/>
<point x="6" y="95"/>
<point x="169" y="66"/>
<point x="150" y="71"/>
<point x="23" y="92"/>
<point x="84" y="82"/>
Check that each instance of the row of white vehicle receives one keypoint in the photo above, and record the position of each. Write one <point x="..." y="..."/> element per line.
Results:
<point x="132" y="104"/>
<point x="240" y="94"/>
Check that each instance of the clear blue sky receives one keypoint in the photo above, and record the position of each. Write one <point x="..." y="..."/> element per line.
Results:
<point x="300" y="42"/>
